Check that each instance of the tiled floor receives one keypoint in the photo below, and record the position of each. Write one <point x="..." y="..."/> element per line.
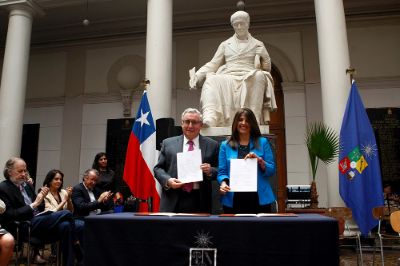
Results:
<point x="348" y="257"/>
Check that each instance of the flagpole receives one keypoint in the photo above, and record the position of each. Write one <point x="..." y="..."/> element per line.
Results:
<point x="352" y="72"/>
<point x="145" y="83"/>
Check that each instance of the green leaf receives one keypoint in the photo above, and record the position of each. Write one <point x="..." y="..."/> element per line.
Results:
<point x="322" y="144"/>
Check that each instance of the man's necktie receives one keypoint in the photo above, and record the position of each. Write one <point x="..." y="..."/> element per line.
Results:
<point x="27" y="200"/>
<point x="189" y="186"/>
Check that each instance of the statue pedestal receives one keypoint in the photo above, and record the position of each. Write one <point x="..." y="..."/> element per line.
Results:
<point x="226" y="131"/>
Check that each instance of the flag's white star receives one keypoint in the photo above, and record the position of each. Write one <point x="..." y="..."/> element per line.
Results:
<point x="143" y="118"/>
<point x="369" y="150"/>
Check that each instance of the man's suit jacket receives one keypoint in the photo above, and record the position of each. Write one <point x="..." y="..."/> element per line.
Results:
<point x="16" y="210"/>
<point x="82" y="204"/>
<point x="166" y="168"/>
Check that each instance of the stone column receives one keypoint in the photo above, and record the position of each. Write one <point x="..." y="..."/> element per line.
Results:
<point x="14" y="78"/>
<point x="335" y="84"/>
<point x="159" y="56"/>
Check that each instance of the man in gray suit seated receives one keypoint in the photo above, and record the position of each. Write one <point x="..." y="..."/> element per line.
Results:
<point x="189" y="197"/>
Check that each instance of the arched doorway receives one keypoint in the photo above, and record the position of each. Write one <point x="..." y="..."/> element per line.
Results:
<point x="277" y="128"/>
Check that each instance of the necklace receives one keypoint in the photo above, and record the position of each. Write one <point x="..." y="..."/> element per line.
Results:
<point x="56" y="196"/>
<point x="243" y="147"/>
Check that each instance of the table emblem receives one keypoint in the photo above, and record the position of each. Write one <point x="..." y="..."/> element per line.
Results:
<point x="203" y="254"/>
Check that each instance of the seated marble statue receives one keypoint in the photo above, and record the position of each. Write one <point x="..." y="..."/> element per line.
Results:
<point x="237" y="76"/>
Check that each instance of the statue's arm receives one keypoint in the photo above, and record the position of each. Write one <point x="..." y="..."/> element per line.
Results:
<point x="212" y="66"/>
<point x="265" y="60"/>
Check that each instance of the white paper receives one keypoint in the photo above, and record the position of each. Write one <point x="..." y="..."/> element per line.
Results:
<point x="243" y="177"/>
<point x="189" y="166"/>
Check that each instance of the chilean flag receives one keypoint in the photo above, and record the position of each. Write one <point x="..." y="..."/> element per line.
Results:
<point x="141" y="157"/>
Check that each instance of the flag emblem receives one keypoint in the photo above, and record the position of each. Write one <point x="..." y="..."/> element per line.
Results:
<point x="354" y="160"/>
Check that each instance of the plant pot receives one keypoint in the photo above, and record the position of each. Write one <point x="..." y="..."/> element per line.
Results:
<point x="313" y="196"/>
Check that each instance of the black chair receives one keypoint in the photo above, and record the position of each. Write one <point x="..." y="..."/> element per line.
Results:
<point x="31" y="241"/>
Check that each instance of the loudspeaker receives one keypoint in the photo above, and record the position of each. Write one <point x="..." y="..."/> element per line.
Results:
<point x="165" y="128"/>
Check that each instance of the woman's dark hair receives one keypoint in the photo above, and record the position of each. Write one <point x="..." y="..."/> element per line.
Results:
<point x="51" y="175"/>
<point x="95" y="164"/>
<point x="255" y="132"/>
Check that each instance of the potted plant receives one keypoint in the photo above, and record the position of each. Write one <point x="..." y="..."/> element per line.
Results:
<point x="322" y="144"/>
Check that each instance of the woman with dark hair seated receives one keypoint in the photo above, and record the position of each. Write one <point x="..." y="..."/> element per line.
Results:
<point x="60" y="199"/>
<point x="106" y="176"/>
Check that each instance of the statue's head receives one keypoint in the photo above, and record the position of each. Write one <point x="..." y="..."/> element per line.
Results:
<point x="240" y="22"/>
<point x="240" y="16"/>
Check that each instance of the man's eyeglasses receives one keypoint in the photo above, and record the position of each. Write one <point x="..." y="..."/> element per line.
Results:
<point x="188" y="122"/>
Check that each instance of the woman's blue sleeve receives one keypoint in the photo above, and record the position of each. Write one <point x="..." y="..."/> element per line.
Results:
<point x="223" y="170"/>
<point x="269" y="159"/>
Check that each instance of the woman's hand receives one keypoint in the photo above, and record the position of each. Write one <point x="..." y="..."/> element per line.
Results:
<point x="69" y="192"/>
<point x="224" y="188"/>
<point x="260" y="160"/>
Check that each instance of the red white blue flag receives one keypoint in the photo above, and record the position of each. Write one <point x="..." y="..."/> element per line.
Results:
<point x="141" y="157"/>
<point x="360" y="183"/>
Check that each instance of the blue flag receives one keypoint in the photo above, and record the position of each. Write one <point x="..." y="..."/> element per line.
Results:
<point x="360" y="182"/>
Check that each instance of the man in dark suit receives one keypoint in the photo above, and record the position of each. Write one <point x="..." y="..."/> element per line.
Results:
<point x="22" y="204"/>
<point x="89" y="199"/>
<point x="192" y="197"/>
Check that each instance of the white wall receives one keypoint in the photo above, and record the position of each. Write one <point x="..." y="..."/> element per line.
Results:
<point x="374" y="52"/>
<point x="46" y="75"/>
<point x="94" y="130"/>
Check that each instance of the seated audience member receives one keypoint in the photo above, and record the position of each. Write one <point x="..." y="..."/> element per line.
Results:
<point x="6" y="241"/>
<point x="392" y="200"/>
<point x="89" y="199"/>
<point x="60" y="199"/>
<point x="23" y="204"/>
<point x="106" y="175"/>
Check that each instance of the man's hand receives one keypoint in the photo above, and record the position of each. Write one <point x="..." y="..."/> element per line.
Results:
<point x="106" y="195"/>
<point x="40" y="197"/>
<point x="174" y="183"/>
<point x="206" y="168"/>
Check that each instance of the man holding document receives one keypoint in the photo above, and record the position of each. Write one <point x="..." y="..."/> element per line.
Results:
<point x="245" y="164"/>
<point x="186" y="165"/>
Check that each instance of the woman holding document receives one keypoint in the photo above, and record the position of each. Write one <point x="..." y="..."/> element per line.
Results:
<point x="245" y="143"/>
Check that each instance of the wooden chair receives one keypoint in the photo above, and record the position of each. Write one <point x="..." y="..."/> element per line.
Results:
<point x="395" y="221"/>
<point x="344" y="216"/>
<point x="379" y="214"/>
